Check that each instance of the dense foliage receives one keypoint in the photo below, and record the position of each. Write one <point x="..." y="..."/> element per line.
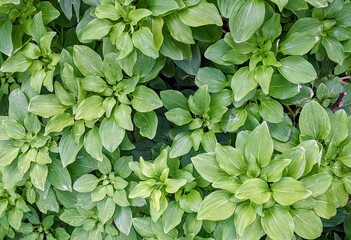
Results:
<point x="175" y="119"/>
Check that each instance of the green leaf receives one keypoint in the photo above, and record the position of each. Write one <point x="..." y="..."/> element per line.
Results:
<point x="111" y="134"/>
<point x="93" y="84"/>
<point x="13" y="129"/>
<point x="16" y="63"/>
<point x="58" y="123"/>
<point x="37" y="28"/>
<point x="174" y="99"/>
<point x="207" y="166"/>
<point x="245" y="215"/>
<point x="15" y="218"/>
<point x="59" y="177"/>
<point x="46" y="105"/>
<point x="339" y="130"/>
<point x="123" y="116"/>
<point x="179" y="116"/>
<point x="280" y="3"/>
<point x="72" y="217"/>
<point x="6" y="45"/>
<point x="68" y="148"/>
<point x="49" y="12"/>
<point x="90" y="108"/>
<point x="297" y="70"/>
<point x="38" y="175"/>
<point x="87" y="61"/>
<point x="161" y="7"/>
<point x="307" y="224"/>
<point x="145" y="99"/>
<point x="216" y="206"/>
<point x="86" y="183"/>
<point x="314" y="121"/>
<point x="136" y="15"/>
<point x="259" y="144"/>
<point x="178" y="30"/>
<point x="317" y="183"/>
<point x="334" y="49"/>
<point x="123" y="219"/>
<point x="255" y="190"/>
<point x="242" y="83"/>
<point x="281" y="88"/>
<point x="278" y="223"/>
<point x="147" y="123"/>
<point x="201" y="14"/>
<point x="93" y="145"/>
<point x="144" y="41"/>
<point x="212" y="77"/>
<point x="172" y="216"/>
<point x="298" y="44"/>
<point x="271" y="110"/>
<point x="181" y="145"/>
<point x="230" y="160"/>
<point x="343" y="17"/>
<point x="18" y="105"/>
<point x="263" y="76"/>
<point x="96" y="29"/>
<point x="287" y="191"/>
<point x="246" y="20"/>
<point x="106" y="209"/>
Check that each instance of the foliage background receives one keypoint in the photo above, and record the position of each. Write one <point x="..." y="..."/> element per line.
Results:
<point x="175" y="119"/>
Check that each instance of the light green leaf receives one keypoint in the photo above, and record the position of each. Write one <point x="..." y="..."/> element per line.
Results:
<point x="307" y="224"/>
<point x="46" y="105"/>
<point x="278" y="223"/>
<point x="14" y="217"/>
<point x="271" y="110"/>
<point x="144" y="41"/>
<point x="212" y="77"/>
<point x="123" y="219"/>
<point x="216" y="206"/>
<point x="174" y="99"/>
<point x="245" y="215"/>
<point x="38" y="175"/>
<point x="68" y="148"/>
<point x="145" y="99"/>
<point x="287" y="191"/>
<point x="334" y="49"/>
<point x="298" y="43"/>
<point x="86" y="183"/>
<point x="339" y="128"/>
<point x="58" y="123"/>
<point x="178" y="30"/>
<point x="136" y="15"/>
<point x="181" y="145"/>
<point x="161" y="7"/>
<point x="96" y="29"/>
<point x="123" y="116"/>
<point x="179" y="116"/>
<point x="259" y="144"/>
<point x="92" y="143"/>
<point x="246" y="20"/>
<point x="93" y="84"/>
<point x="230" y="160"/>
<point x="201" y="14"/>
<point x="72" y="217"/>
<point x="243" y="82"/>
<point x="297" y="70"/>
<point x="16" y="63"/>
<point x="59" y="177"/>
<point x="147" y="123"/>
<point x="111" y="135"/>
<point x="255" y="190"/>
<point x="172" y="216"/>
<point x="280" y="3"/>
<point x="263" y="76"/>
<point x="106" y="209"/>
<point x="207" y="166"/>
<point x="317" y="183"/>
<point x="87" y="61"/>
<point x="6" y="45"/>
<point x="314" y="121"/>
<point x="90" y="108"/>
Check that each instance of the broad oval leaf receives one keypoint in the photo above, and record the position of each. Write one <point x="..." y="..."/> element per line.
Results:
<point x="255" y="190"/>
<point x="287" y="191"/>
<point x="297" y="70"/>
